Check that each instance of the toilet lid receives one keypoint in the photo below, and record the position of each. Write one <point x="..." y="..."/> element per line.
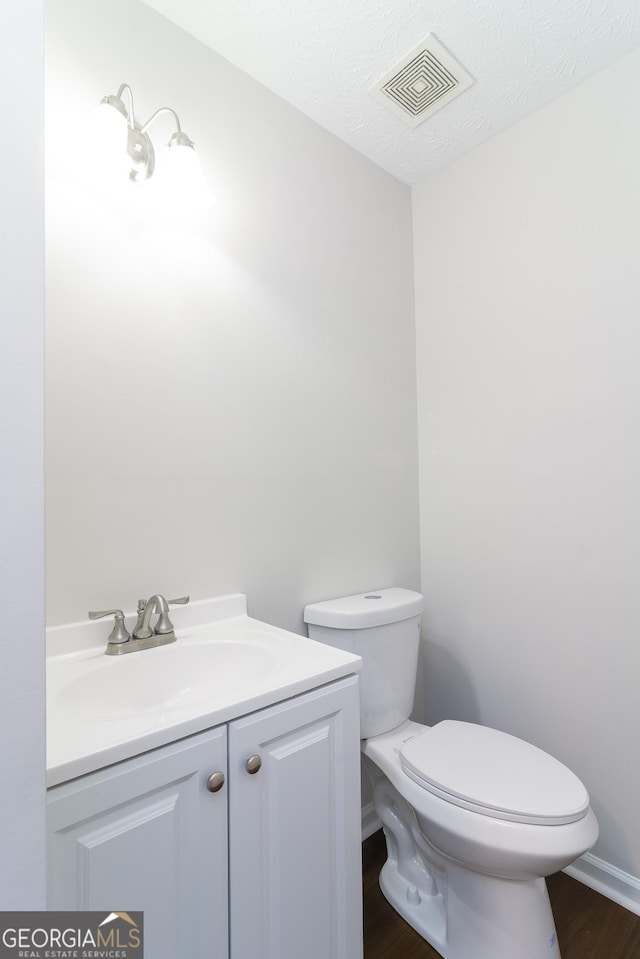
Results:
<point x="494" y="774"/>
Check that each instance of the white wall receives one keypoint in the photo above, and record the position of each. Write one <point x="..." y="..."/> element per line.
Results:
<point x="21" y="456"/>
<point x="528" y="318"/>
<point x="231" y="401"/>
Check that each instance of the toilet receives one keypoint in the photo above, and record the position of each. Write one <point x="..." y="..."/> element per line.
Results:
<point x="474" y="818"/>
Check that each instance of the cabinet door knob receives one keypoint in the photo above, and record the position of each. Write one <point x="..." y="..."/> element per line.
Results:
<point x="253" y="764"/>
<point x="215" y="782"/>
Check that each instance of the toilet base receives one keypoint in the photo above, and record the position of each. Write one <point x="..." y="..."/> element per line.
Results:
<point x="424" y="913"/>
<point x="474" y="916"/>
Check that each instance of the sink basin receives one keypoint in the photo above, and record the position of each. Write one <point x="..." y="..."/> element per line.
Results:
<point x="166" y="679"/>
<point x="106" y="709"/>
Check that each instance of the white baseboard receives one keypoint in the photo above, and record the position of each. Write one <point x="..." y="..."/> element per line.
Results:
<point x="619" y="886"/>
<point x="608" y="880"/>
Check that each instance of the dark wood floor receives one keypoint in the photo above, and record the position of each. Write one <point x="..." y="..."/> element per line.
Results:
<point x="588" y="925"/>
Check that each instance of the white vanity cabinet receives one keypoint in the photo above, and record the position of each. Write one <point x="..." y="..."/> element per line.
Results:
<point x="267" y="867"/>
<point x="294" y="829"/>
<point x="147" y="835"/>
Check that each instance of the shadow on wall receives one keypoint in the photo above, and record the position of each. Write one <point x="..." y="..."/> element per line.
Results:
<point x="443" y="687"/>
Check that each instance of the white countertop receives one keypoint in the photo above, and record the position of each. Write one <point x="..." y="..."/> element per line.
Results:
<point x="224" y="664"/>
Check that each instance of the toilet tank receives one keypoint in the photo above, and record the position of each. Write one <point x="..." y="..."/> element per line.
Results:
<point x="383" y="627"/>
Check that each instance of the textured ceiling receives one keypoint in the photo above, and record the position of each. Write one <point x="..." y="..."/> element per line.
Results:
<point x="324" y="55"/>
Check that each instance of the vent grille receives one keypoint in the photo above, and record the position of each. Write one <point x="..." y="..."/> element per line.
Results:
<point x="427" y="79"/>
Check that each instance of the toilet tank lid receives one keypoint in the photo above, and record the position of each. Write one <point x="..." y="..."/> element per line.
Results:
<point x="374" y="608"/>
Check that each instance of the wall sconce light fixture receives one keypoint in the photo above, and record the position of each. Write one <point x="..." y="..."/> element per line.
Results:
<point x="130" y="147"/>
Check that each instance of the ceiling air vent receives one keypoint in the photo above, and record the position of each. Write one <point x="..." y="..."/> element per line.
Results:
<point x="427" y="79"/>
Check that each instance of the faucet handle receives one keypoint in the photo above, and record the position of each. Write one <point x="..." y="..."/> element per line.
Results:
<point x="98" y="614"/>
<point x="119" y="634"/>
<point x="164" y="624"/>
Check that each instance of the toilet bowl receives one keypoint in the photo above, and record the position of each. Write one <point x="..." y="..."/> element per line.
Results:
<point x="474" y="818"/>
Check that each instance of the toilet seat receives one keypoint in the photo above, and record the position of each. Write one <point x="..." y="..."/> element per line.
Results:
<point x="494" y="774"/>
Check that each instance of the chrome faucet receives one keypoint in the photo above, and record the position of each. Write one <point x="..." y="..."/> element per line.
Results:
<point x="146" y="609"/>
<point x="143" y="637"/>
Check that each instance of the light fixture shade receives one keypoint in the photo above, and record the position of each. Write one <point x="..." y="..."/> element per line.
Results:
<point x="185" y="180"/>
<point x="109" y="135"/>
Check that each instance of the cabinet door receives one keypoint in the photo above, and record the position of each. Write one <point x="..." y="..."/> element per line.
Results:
<point x="294" y="827"/>
<point x="147" y="834"/>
